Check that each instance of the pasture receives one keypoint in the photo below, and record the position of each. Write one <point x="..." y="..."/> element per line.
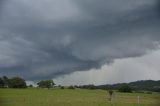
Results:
<point x="77" y="97"/>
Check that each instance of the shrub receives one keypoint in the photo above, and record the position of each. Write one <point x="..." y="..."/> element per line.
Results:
<point x="110" y="92"/>
<point x="125" y="88"/>
<point x="71" y="87"/>
<point x="46" y="84"/>
<point x="62" y="87"/>
<point x="148" y="92"/>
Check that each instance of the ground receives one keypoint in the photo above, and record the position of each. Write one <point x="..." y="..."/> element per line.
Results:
<point x="77" y="97"/>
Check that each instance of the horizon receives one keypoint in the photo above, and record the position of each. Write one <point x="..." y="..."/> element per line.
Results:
<point x="35" y="83"/>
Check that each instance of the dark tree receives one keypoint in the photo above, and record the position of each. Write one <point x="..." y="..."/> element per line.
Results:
<point x="6" y="81"/>
<point x="62" y="87"/>
<point x="30" y="86"/>
<point x="71" y="87"/>
<point x="46" y="84"/>
<point x="1" y="83"/>
<point x="17" y="82"/>
<point x="110" y="95"/>
<point x="110" y="92"/>
<point x="125" y="88"/>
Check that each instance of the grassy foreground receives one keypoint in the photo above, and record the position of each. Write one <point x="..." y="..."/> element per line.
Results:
<point x="78" y="97"/>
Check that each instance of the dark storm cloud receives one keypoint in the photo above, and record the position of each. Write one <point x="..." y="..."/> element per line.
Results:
<point x="49" y="38"/>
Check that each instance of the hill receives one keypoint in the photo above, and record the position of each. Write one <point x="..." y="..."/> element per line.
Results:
<point x="149" y="85"/>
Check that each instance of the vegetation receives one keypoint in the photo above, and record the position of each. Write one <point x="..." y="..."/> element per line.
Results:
<point x="15" y="82"/>
<point x="125" y="88"/>
<point x="110" y="95"/>
<point x="30" y="86"/>
<point x="71" y="87"/>
<point x="46" y="84"/>
<point x="77" y="97"/>
<point x="88" y="87"/>
<point x="110" y="92"/>
<point x="1" y="83"/>
<point x="6" y="81"/>
<point x="147" y="85"/>
<point x="62" y="87"/>
<point x="138" y="86"/>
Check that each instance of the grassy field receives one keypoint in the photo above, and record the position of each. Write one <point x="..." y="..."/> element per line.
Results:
<point x="68" y="97"/>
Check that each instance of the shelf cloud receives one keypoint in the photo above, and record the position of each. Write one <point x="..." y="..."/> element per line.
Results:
<point x="49" y="38"/>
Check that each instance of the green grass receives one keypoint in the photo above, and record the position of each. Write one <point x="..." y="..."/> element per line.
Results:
<point x="78" y="97"/>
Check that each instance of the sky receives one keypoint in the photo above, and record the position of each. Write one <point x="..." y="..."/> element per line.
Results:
<point x="80" y="41"/>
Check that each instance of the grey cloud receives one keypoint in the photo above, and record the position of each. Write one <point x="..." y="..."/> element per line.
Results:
<point x="46" y="39"/>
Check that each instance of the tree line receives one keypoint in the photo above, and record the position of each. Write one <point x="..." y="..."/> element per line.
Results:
<point x="142" y="85"/>
<point x="18" y="82"/>
<point x="14" y="82"/>
<point x="147" y="85"/>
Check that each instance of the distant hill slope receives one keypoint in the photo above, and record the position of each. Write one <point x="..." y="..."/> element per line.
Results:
<point x="150" y="85"/>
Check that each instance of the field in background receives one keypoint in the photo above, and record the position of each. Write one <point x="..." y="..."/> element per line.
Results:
<point x="69" y="97"/>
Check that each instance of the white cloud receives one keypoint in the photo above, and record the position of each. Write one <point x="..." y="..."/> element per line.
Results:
<point x="31" y="83"/>
<point x="122" y="70"/>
